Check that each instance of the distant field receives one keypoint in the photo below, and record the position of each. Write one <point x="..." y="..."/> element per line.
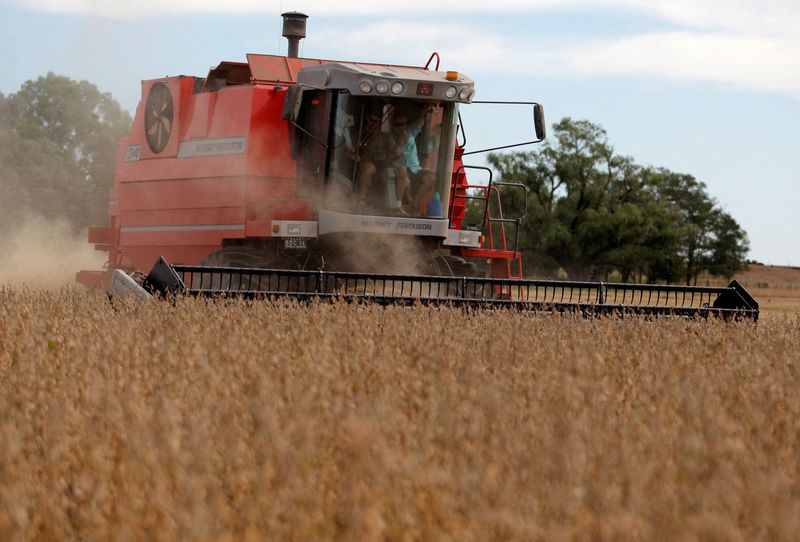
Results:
<point x="249" y="421"/>
<point x="777" y="289"/>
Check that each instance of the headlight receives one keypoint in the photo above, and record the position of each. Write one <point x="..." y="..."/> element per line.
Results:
<point x="450" y="93"/>
<point x="365" y="87"/>
<point x="382" y="87"/>
<point x="464" y="94"/>
<point x="397" y="87"/>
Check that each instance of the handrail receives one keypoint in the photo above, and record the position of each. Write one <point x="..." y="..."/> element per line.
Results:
<point x="433" y="54"/>
<point x="461" y="170"/>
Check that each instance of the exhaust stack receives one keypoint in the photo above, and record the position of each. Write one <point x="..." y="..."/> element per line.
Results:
<point x="294" y="29"/>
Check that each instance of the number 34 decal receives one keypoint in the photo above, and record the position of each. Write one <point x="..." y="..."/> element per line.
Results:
<point x="133" y="153"/>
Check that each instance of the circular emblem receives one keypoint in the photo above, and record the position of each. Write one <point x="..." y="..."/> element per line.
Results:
<point x="158" y="117"/>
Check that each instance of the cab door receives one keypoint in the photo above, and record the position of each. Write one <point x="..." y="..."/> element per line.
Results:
<point x="312" y="140"/>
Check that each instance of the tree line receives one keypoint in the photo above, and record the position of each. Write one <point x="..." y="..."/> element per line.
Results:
<point x="596" y="214"/>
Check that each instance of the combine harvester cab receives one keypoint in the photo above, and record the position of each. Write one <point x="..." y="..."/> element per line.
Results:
<point x="282" y="176"/>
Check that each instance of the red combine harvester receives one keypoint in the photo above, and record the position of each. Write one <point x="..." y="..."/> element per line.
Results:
<point x="314" y="178"/>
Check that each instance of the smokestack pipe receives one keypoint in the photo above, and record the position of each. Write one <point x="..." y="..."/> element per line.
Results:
<point x="294" y="29"/>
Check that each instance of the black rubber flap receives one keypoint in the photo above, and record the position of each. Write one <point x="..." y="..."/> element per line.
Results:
<point x="163" y="279"/>
<point x="736" y="298"/>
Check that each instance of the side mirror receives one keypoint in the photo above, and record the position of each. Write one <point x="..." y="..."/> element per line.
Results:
<point x="291" y="104"/>
<point x="538" y="122"/>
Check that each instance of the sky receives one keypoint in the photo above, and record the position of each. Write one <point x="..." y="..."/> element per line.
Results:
<point x="705" y="87"/>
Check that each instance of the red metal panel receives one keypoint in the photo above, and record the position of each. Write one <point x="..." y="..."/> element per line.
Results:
<point x="247" y="111"/>
<point x="167" y="217"/>
<point x="146" y="195"/>
<point x="201" y="166"/>
<point x="232" y="112"/>
<point x="177" y="238"/>
<point x="185" y="96"/>
<point x="203" y="112"/>
<point x="181" y="90"/>
<point x="220" y="192"/>
<point x="227" y="118"/>
<point x="182" y="194"/>
<point x="294" y="210"/>
<point x="493" y="254"/>
<point x="98" y="235"/>
<point x="146" y="256"/>
<point x="268" y="189"/>
<point x="273" y="68"/>
<point x="281" y="209"/>
<point x="268" y="144"/>
<point x="154" y="170"/>
<point x="258" y="228"/>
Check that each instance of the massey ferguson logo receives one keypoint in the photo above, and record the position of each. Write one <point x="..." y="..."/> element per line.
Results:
<point x="382" y="224"/>
<point x="389" y="225"/>
<point x="414" y="226"/>
<point x="213" y="147"/>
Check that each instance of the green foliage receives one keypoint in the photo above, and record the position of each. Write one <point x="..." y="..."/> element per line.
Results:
<point x="35" y="178"/>
<point x="728" y="246"/>
<point x="84" y="124"/>
<point x="592" y="213"/>
<point x="58" y="141"/>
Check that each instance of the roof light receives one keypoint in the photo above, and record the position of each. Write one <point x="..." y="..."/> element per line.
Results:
<point x="398" y="87"/>
<point x="382" y="87"/>
<point x="452" y="76"/>
<point x="365" y="87"/>
<point x="450" y="93"/>
<point x="464" y="94"/>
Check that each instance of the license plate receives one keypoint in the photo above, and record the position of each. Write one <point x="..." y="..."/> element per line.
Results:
<point x="295" y="242"/>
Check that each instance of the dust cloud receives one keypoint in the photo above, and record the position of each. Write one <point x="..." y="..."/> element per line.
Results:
<point x="372" y="253"/>
<point x="45" y="253"/>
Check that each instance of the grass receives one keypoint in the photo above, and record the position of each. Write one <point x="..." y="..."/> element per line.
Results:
<point x="261" y="421"/>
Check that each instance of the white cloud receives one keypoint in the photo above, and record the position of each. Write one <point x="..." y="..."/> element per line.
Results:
<point x="747" y="62"/>
<point x="750" y="45"/>
<point x="741" y="14"/>
<point x="141" y="8"/>
<point x="754" y="63"/>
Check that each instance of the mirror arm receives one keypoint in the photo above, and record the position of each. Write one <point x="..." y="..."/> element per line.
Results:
<point x="503" y="103"/>
<point x="504" y="147"/>
<point x="535" y="106"/>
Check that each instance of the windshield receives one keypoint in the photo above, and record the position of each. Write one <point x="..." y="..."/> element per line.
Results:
<point x="391" y="157"/>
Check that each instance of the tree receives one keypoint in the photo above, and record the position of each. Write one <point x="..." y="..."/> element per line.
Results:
<point x="711" y="240"/>
<point x="728" y="247"/>
<point x="36" y="179"/>
<point x="586" y="205"/>
<point x="58" y="141"/>
<point x="593" y="212"/>
<point x="83" y="124"/>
